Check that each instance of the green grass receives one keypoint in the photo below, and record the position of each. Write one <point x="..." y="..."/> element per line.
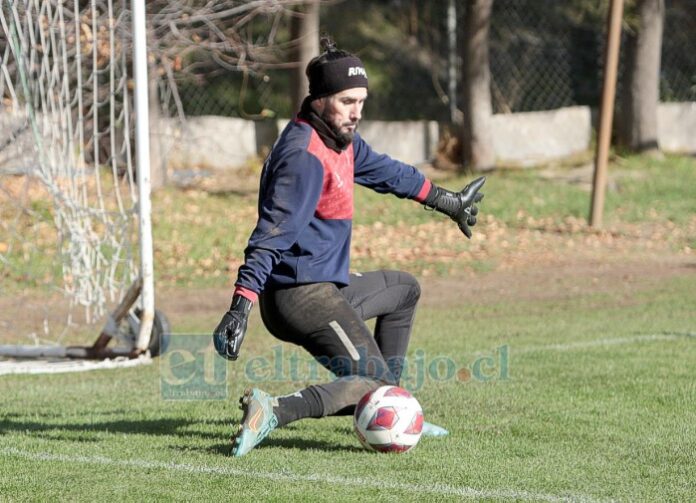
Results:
<point x="654" y="190"/>
<point x="200" y="238"/>
<point x="596" y="401"/>
<point x="645" y="189"/>
<point x="569" y="416"/>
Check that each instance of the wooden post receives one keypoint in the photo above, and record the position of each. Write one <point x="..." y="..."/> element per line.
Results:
<point x="611" y="63"/>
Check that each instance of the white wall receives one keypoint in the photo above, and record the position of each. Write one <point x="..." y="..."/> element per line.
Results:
<point x="531" y="138"/>
<point x="208" y="142"/>
<point x="676" y="127"/>
<point x="224" y="143"/>
<point x="523" y="139"/>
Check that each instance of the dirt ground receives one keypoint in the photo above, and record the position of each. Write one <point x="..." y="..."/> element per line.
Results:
<point x="537" y="261"/>
<point x="528" y="259"/>
<point x="534" y="275"/>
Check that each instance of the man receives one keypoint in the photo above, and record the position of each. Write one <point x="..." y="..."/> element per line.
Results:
<point x="297" y="260"/>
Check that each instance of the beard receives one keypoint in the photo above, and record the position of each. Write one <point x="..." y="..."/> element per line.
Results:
<point x="342" y="137"/>
<point x="346" y="137"/>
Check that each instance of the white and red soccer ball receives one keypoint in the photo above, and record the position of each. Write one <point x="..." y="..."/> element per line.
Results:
<point x="388" y="419"/>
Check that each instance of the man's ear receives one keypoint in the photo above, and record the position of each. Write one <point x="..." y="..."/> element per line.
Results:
<point x="319" y="105"/>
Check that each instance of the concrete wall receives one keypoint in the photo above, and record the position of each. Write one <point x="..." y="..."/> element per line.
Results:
<point x="531" y="138"/>
<point x="676" y="127"/>
<point x="412" y="142"/>
<point x="17" y="144"/>
<point x="524" y="139"/>
<point x="211" y="142"/>
<point x="207" y="142"/>
<point x="221" y="143"/>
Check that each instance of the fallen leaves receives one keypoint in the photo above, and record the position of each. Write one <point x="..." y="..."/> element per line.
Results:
<point x="439" y="246"/>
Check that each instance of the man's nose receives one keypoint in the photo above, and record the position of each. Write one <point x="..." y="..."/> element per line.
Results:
<point x="355" y="113"/>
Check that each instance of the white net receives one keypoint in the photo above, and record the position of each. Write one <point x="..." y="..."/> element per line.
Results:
<point x="68" y="197"/>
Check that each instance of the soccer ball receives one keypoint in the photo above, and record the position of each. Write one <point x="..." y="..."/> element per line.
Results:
<point x="388" y="419"/>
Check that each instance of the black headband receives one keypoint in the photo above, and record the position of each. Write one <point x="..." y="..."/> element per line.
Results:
<point x="335" y="75"/>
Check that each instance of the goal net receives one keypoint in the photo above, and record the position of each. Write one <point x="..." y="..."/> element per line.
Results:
<point x="74" y="210"/>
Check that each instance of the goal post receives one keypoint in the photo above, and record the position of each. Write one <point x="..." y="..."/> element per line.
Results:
<point x="142" y="130"/>
<point x="75" y="211"/>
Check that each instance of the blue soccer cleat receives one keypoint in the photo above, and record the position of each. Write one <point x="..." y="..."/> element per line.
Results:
<point x="258" y="421"/>
<point x="433" y="430"/>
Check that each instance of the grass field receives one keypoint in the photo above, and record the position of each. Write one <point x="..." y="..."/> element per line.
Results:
<point x="563" y="364"/>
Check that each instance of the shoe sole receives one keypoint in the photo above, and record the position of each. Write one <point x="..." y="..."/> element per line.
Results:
<point x="244" y="401"/>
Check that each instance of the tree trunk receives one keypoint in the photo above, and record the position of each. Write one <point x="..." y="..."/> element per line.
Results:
<point x="641" y="89"/>
<point x="304" y="30"/>
<point x="477" y="141"/>
<point x="158" y="165"/>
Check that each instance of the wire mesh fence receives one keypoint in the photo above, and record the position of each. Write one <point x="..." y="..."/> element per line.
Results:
<point x="547" y="54"/>
<point x="678" y="79"/>
<point x="544" y="55"/>
<point x="533" y="58"/>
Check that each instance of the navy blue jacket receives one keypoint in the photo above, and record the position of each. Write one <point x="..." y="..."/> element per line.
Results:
<point x="306" y="208"/>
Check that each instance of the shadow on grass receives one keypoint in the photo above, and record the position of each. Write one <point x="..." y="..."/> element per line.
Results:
<point x="299" y="443"/>
<point x="49" y="429"/>
<point x="15" y="423"/>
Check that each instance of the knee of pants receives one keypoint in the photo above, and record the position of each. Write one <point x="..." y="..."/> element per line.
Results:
<point x="397" y="278"/>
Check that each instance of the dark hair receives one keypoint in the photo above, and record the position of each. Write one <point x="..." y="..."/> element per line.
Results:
<point x="329" y="53"/>
<point x="327" y="43"/>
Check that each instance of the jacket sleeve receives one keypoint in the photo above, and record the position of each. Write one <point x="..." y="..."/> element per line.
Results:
<point x="290" y="190"/>
<point x="386" y="175"/>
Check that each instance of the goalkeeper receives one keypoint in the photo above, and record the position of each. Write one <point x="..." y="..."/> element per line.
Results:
<point x="297" y="259"/>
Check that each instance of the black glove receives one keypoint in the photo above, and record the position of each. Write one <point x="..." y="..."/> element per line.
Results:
<point x="229" y="334"/>
<point x="459" y="206"/>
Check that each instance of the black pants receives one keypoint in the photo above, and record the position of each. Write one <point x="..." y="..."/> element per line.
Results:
<point x="329" y="322"/>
